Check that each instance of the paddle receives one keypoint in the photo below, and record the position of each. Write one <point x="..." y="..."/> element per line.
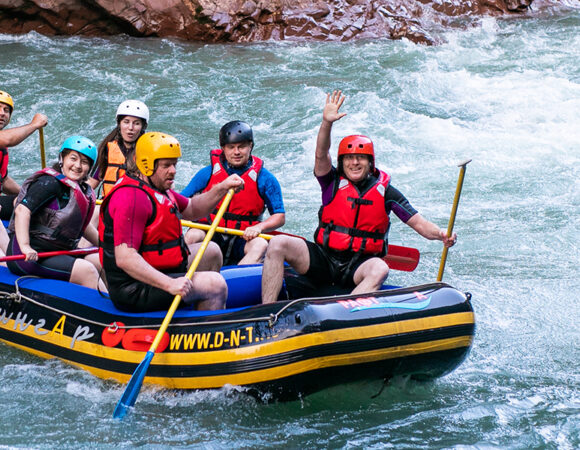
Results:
<point x="463" y="166"/>
<point x="132" y="390"/>
<point x="398" y="257"/>
<point x="76" y="252"/>
<point x="42" y="155"/>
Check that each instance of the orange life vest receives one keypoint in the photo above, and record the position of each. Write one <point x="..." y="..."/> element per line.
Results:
<point x="247" y="206"/>
<point x="116" y="166"/>
<point x="353" y="220"/>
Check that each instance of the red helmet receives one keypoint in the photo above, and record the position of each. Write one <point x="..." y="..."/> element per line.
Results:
<point x="356" y="144"/>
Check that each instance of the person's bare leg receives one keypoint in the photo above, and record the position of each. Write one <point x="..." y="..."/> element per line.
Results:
<point x="85" y="274"/>
<point x="212" y="259"/>
<point x="254" y="251"/>
<point x="4" y="240"/>
<point x="282" y="248"/>
<point x="193" y="235"/>
<point x="210" y="291"/>
<point x="370" y="276"/>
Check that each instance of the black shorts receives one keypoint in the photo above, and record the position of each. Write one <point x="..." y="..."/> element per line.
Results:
<point x="7" y="205"/>
<point x="136" y="296"/>
<point x="232" y="248"/>
<point x="336" y="268"/>
<point x="57" y="267"/>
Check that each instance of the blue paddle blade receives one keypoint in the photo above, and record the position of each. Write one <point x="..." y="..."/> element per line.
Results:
<point x="132" y="390"/>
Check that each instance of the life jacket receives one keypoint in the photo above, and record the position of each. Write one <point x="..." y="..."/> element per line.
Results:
<point x="162" y="245"/>
<point x="247" y="206"/>
<point x="353" y="220"/>
<point x="64" y="227"/>
<point x="3" y="164"/>
<point x="116" y="166"/>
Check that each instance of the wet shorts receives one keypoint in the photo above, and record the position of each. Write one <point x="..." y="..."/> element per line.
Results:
<point x="56" y="267"/>
<point x="7" y="205"/>
<point x="232" y="248"/>
<point x="136" y="296"/>
<point x="334" y="267"/>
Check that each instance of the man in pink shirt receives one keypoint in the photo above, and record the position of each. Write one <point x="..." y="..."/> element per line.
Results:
<point x="142" y="247"/>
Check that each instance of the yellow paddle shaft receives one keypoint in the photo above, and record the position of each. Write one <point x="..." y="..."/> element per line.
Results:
<point x="192" y="269"/>
<point x="42" y="154"/>
<point x="452" y="218"/>
<point x="233" y="231"/>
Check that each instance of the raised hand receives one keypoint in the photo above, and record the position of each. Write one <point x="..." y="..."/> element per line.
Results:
<point x="331" y="109"/>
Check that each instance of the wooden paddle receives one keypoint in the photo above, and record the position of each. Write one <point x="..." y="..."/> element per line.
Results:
<point x="41" y="139"/>
<point x="462" y="166"/>
<point x="398" y="257"/>
<point x="132" y="390"/>
<point x="76" y="252"/>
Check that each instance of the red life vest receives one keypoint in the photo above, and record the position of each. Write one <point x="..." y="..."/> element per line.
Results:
<point x="162" y="245"/>
<point x="355" y="221"/>
<point x="247" y="206"/>
<point x="64" y="227"/>
<point x="3" y="164"/>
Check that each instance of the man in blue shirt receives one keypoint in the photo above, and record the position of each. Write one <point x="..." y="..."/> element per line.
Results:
<point x="245" y="212"/>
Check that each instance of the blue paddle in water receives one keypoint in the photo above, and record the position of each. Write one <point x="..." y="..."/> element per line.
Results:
<point x="132" y="390"/>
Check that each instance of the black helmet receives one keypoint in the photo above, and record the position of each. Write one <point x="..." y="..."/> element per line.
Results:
<point x="236" y="131"/>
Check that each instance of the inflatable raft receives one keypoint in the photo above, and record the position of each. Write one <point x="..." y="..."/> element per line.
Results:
<point x="279" y="351"/>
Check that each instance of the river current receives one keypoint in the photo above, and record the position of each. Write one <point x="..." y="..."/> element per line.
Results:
<point x="505" y="94"/>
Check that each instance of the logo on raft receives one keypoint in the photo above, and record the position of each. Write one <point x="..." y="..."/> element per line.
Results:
<point x="364" y="303"/>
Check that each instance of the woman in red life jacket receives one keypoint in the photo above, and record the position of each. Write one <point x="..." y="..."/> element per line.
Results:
<point x="52" y="212"/>
<point x="354" y="222"/>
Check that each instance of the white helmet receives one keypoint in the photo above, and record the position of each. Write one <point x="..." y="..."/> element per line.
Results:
<point x="133" y="108"/>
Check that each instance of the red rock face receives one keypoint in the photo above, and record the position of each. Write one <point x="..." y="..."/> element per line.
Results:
<point x="250" y="20"/>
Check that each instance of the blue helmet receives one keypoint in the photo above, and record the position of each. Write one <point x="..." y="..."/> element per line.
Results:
<point x="82" y="145"/>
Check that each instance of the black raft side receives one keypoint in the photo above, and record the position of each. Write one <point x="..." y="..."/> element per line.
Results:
<point x="316" y="315"/>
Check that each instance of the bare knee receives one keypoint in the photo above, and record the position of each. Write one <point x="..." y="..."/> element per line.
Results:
<point x="254" y="251"/>
<point x="258" y="245"/>
<point x="371" y="274"/>
<point x="194" y="235"/>
<point x="85" y="274"/>
<point x="210" y="291"/>
<point x="212" y="257"/>
<point x="379" y="272"/>
<point x="278" y="246"/>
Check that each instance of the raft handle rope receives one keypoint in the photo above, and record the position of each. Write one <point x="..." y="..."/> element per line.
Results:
<point x="272" y="318"/>
<point x="18" y="296"/>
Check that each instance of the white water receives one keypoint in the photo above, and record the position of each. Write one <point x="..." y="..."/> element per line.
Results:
<point x="506" y="94"/>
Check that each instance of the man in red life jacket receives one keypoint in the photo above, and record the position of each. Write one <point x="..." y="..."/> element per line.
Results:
<point x="350" y="240"/>
<point x="261" y="191"/>
<point x="142" y="247"/>
<point x="11" y="138"/>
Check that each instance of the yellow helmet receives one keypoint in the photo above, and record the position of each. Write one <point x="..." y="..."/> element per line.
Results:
<point x="153" y="146"/>
<point x="5" y="97"/>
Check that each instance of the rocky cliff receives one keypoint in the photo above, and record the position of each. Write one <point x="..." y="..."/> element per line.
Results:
<point x="257" y="20"/>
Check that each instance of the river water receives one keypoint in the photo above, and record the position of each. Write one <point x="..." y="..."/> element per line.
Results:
<point x="505" y="94"/>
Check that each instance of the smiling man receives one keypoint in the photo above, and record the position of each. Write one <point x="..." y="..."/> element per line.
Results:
<point x="245" y="212"/>
<point x="142" y="247"/>
<point x="351" y="237"/>
<point x="10" y="138"/>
